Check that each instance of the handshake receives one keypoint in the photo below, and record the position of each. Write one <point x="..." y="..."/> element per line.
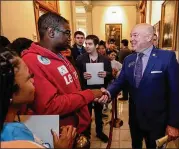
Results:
<point x="101" y="95"/>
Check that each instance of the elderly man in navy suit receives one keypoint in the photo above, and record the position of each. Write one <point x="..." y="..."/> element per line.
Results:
<point x="152" y="78"/>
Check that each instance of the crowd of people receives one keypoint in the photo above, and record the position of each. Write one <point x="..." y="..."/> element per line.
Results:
<point x="50" y="77"/>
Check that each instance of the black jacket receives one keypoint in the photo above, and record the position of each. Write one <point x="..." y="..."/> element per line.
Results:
<point x="75" y="51"/>
<point x="81" y="66"/>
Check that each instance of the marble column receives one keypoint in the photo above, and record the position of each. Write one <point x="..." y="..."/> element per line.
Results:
<point x="89" y="23"/>
<point x="73" y="16"/>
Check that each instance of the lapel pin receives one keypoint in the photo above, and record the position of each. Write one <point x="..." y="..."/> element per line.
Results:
<point x="154" y="54"/>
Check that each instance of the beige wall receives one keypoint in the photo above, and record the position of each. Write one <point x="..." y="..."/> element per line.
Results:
<point x="156" y="11"/>
<point x="65" y="10"/>
<point x="156" y="16"/>
<point x="148" y="13"/>
<point x="18" y="19"/>
<point x="102" y="15"/>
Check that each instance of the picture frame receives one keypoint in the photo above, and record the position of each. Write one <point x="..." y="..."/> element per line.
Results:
<point x="169" y="21"/>
<point x="113" y="31"/>
<point x="157" y="31"/>
<point x="42" y="7"/>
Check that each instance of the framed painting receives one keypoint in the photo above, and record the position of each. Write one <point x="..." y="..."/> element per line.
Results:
<point x="114" y="31"/>
<point x="142" y="6"/>
<point x="169" y="25"/>
<point x="157" y="31"/>
<point x="41" y="7"/>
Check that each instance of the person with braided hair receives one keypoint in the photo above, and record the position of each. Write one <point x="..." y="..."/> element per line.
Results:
<point x="5" y="88"/>
<point x="16" y="88"/>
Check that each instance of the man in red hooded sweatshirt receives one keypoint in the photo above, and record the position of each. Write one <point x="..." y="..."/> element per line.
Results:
<point x="58" y="90"/>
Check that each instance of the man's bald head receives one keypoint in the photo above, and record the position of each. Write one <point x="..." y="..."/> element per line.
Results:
<point x="145" y="28"/>
<point x="142" y="36"/>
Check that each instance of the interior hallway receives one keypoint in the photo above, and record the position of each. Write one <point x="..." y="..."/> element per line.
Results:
<point x="121" y="136"/>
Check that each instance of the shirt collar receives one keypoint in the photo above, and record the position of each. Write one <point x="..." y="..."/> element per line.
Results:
<point x="79" y="47"/>
<point x="147" y="51"/>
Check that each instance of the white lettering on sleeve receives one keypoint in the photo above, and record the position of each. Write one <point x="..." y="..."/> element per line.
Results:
<point x="68" y="79"/>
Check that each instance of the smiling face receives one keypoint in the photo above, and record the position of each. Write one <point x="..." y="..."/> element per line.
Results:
<point x="141" y="37"/>
<point x="112" y="56"/>
<point x="102" y="50"/>
<point x="24" y="81"/>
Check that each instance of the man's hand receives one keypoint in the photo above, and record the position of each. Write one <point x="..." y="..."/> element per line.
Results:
<point x="66" y="138"/>
<point x="87" y="75"/>
<point x="97" y="93"/>
<point x="173" y="133"/>
<point x="104" y="98"/>
<point x="102" y="74"/>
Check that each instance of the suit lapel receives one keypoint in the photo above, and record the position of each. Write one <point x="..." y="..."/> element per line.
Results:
<point x="131" y="66"/>
<point x="151" y="62"/>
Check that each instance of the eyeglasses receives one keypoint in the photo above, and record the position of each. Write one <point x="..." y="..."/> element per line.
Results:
<point x="67" y="32"/>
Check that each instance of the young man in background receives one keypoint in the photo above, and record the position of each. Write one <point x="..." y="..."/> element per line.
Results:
<point x="78" y="48"/>
<point x="92" y="56"/>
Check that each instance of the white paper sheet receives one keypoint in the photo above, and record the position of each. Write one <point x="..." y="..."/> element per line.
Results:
<point x="93" y="69"/>
<point x="41" y="125"/>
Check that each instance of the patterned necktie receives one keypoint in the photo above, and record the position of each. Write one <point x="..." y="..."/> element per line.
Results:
<point x="138" y="70"/>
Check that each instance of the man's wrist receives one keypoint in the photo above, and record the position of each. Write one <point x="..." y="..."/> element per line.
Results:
<point x="109" y="95"/>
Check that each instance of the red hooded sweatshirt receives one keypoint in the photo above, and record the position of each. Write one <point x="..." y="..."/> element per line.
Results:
<point x="58" y="90"/>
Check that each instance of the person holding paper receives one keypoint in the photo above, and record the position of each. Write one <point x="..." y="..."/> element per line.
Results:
<point x="92" y="57"/>
<point x="152" y="78"/>
<point x="16" y="89"/>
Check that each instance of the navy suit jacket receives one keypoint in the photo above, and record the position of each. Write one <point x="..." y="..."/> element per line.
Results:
<point x="155" y="104"/>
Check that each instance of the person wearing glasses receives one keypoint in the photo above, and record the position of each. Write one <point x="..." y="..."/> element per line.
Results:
<point x="58" y="90"/>
<point x="78" y="48"/>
